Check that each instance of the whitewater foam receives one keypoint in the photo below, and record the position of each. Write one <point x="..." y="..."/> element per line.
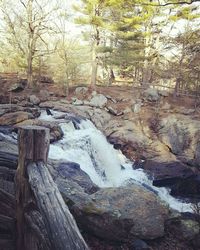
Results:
<point x="88" y="147"/>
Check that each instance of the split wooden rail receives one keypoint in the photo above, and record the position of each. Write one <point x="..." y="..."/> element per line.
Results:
<point x="44" y="221"/>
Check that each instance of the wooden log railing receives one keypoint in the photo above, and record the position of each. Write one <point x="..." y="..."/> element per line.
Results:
<point x="43" y="219"/>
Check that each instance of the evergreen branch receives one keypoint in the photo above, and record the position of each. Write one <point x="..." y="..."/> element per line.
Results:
<point x="168" y="3"/>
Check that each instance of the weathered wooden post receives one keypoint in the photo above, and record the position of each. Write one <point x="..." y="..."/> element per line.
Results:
<point x="43" y="219"/>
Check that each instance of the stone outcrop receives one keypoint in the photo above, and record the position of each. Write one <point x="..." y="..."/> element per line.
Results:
<point x="16" y="117"/>
<point x="182" y="137"/>
<point x="115" y="216"/>
<point x="98" y="101"/>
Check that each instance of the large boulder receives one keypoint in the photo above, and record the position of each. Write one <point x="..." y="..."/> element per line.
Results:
<point x="16" y="117"/>
<point x="168" y="173"/>
<point x="119" y="214"/>
<point x="182" y="136"/>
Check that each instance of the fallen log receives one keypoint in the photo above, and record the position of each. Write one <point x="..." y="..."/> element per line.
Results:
<point x="7" y="225"/>
<point x="7" y="186"/>
<point x="8" y="160"/>
<point x="7" y="173"/>
<point x="38" y="195"/>
<point x="7" y="204"/>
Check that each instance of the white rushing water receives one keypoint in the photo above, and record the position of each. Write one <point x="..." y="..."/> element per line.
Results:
<point x="106" y="166"/>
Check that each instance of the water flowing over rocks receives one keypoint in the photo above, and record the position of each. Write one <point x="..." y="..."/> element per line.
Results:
<point x="170" y="154"/>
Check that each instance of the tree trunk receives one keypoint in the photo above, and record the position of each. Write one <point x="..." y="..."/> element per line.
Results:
<point x="94" y="67"/>
<point x="30" y="71"/>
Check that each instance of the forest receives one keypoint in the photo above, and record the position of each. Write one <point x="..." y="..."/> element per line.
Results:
<point x="101" y="42"/>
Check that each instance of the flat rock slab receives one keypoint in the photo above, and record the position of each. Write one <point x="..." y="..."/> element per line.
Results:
<point x="16" y="117"/>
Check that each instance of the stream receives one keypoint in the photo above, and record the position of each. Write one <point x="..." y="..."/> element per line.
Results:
<point x="84" y="144"/>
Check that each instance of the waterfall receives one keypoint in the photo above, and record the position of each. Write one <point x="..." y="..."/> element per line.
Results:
<point x="84" y="144"/>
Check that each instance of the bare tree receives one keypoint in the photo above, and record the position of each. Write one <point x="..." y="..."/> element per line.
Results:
<point x="28" y="24"/>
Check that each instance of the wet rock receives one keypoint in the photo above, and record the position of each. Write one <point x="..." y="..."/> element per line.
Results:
<point x="16" y="117"/>
<point x="98" y="100"/>
<point x="34" y="99"/>
<point x="189" y="187"/>
<point x="168" y="173"/>
<point x="73" y="171"/>
<point x="6" y="130"/>
<point x="118" y="217"/>
<point x="140" y="245"/>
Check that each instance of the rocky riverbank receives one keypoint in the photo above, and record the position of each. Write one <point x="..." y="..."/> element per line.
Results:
<point x="160" y="137"/>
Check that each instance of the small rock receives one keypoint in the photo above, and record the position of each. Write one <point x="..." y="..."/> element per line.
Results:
<point x="113" y="111"/>
<point x="98" y="101"/>
<point x="140" y="245"/>
<point x="111" y="99"/>
<point x="151" y="94"/>
<point x="34" y="99"/>
<point x="136" y="107"/>
<point x="81" y="90"/>
<point x="44" y="95"/>
<point x="163" y="93"/>
<point x="78" y="102"/>
<point x="47" y="104"/>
